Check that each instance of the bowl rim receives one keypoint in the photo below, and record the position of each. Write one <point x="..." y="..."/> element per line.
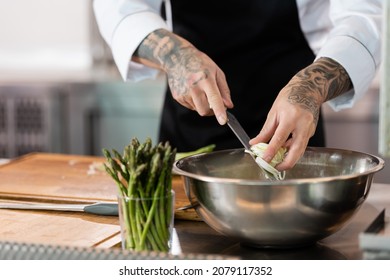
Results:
<point x="380" y="165"/>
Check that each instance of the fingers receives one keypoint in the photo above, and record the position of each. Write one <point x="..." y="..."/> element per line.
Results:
<point x="224" y="89"/>
<point x="295" y="151"/>
<point x="216" y="103"/>
<point x="266" y="132"/>
<point x="186" y="102"/>
<point x="201" y="103"/>
<point x="295" y="145"/>
<point x="278" y="140"/>
<point x="206" y="101"/>
<point x="291" y="130"/>
<point x="199" y="84"/>
<point x="214" y="98"/>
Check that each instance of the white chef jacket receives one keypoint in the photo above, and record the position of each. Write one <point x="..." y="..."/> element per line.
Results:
<point x="348" y="31"/>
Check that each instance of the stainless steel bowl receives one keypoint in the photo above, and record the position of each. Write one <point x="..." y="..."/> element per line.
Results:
<point x="318" y="196"/>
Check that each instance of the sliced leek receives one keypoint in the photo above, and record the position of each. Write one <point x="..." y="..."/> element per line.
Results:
<point x="258" y="150"/>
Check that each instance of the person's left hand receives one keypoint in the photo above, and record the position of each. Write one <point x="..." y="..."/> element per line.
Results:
<point x="291" y="122"/>
<point x="293" y="117"/>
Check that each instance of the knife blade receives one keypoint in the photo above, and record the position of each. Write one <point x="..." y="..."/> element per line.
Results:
<point x="100" y="208"/>
<point x="239" y="131"/>
<point x="236" y="127"/>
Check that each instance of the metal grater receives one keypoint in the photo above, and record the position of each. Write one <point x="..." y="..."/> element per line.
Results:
<point x="24" y="251"/>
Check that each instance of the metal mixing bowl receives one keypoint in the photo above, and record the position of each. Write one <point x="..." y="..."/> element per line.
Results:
<point x="316" y="198"/>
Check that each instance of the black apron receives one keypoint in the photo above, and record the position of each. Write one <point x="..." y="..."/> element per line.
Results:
<point x="259" y="46"/>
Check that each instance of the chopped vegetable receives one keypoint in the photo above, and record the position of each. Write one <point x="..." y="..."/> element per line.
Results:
<point x="205" y="149"/>
<point x="143" y="175"/>
<point x="257" y="151"/>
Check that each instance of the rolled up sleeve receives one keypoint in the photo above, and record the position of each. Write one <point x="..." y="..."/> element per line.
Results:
<point x="123" y="25"/>
<point x="355" y="43"/>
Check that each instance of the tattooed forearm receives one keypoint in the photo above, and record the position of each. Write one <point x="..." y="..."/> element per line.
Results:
<point x="323" y="80"/>
<point x="326" y="77"/>
<point x="176" y="57"/>
<point x="306" y="102"/>
<point x="159" y="47"/>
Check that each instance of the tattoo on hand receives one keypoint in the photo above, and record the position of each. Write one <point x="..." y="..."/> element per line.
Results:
<point x="325" y="79"/>
<point x="181" y="62"/>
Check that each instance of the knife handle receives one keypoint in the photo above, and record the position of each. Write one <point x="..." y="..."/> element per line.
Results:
<point x="105" y="209"/>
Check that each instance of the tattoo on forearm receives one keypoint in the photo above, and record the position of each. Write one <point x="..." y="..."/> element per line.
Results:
<point x="323" y="80"/>
<point x="306" y="102"/>
<point x="183" y="66"/>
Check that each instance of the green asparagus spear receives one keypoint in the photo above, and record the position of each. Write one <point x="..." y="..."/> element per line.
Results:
<point x="205" y="149"/>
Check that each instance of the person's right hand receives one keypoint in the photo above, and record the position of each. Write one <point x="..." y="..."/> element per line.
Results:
<point x="196" y="82"/>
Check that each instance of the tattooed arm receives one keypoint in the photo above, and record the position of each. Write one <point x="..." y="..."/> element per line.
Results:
<point x="293" y="117"/>
<point x="196" y="82"/>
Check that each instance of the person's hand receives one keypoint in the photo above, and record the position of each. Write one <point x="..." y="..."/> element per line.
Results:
<point x="196" y="82"/>
<point x="290" y="123"/>
<point x="199" y="84"/>
<point x="293" y="117"/>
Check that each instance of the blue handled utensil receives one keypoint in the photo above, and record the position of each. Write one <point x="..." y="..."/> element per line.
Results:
<point x="100" y="208"/>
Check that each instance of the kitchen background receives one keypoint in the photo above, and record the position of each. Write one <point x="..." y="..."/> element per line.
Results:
<point x="61" y="93"/>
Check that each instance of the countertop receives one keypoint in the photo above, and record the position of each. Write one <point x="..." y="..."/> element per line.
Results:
<point x="46" y="173"/>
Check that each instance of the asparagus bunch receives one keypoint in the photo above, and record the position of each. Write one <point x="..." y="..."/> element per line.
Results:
<point x="143" y="175"/>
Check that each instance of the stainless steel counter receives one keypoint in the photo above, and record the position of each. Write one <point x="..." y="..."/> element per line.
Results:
<point x="198" y="237"/>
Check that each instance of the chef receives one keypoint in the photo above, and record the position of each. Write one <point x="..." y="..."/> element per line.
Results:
<point x="271" y="63"/>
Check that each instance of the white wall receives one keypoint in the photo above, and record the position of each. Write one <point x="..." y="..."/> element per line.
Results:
<point x="43" y="37"/>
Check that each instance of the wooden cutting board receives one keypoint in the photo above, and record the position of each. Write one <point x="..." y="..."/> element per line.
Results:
<point x="68" y="178"/>
<point x="59" y="228"/>
<point x="58" y="178"/>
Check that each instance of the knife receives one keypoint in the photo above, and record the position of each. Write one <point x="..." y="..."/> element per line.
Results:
<point x="104" y="209"/>
<point x="236" y="127"/>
